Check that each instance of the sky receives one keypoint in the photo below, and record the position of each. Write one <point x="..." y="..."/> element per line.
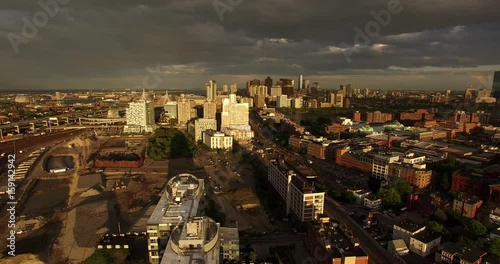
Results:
<point x="181" y="44"/>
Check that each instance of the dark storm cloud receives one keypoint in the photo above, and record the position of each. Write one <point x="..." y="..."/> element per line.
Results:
<point x="109" y="44"/>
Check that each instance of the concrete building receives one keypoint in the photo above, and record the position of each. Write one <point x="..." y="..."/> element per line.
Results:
<point x="140" y="117"/>
<point x="282" y="101"/>
<point x="170" y="110"/>
<point x="381" y="164"/>
<point x="299" y="196"/>
<point x="201" y="125"/>
<point x="234" y="115"/>
<point x="211" y="90"/>
<point x="372" y="202"/>
<point x="178" y="203"/>
<point x="461" y="253"/>
<point x="183" y="110"/>
<point x="406" y="229"/>
<point x="177" y="235"/>
<point x="424" y="243"/>
<point x="230" y="243"/>
<point x="209" y="109"/>
<point x="247" y="100"/>
<point x="275" y="91"/>
<point x="233" y="88"/>
<point x="495" y="91"/>
<point x="398" y="247"/>
<point x="467" y="206"/>
<point x="217" y="140"/>
<point x="297" y="102"/>
<point x="260" y="101"/>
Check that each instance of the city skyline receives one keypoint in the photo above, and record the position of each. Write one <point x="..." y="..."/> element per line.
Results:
<point x="134" y="41"/>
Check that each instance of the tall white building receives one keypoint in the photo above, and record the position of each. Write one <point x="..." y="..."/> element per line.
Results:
<point x="299" y="195"/>
<point x="282" y="101"/>
<point x="301" y="82"/>
<point x="234" y="115"/>
<point x="201" y="125"/>
<point x="140" y="116"/>
<point x="211" y="90"/>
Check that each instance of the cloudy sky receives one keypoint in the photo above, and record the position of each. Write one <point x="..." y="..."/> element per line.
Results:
<point x="114" y="44"/>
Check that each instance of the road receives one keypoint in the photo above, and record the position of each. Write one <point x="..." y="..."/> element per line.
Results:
<point x="330" y="174"/>
<point x="375" y="251"/>
<point x="27" y="142"/>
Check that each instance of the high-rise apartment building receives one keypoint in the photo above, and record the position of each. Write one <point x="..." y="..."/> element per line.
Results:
<point x="496" y="85"/>
<point x="233" y="88"/>
<point x="209" y="109"/>
<point x="183" y="110"/>
<point x="140" y="116"/>
<point x="260" y="100"/>
<point x="300" y="196"/>
<point x="268" y="82"/>
<point x="211" y="90"/>
<point x="275" y="91"/>
<point x="282" y="101"/>
<point x="296" y="102"/>
<point x="305" y="84"/>
<point x="201" y="125"/>
<point x="234" y="114"/>
<point x="253" y="82"/>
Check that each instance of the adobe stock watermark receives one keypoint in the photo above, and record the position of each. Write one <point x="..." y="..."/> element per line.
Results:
<point x="224" y="6"/>
<point x="11" y="205"/>
<point x="372" y="29"/>
<point x="30" y="28"/>
<point x="147" y="82"/>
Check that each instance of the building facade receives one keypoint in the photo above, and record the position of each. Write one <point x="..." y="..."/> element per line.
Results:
<point x="201" y="125"/>
<point x="217" y="140"/>
<point x="299" y="196"/>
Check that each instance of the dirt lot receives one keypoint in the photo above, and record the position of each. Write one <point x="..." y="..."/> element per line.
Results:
<point x="48" y="196"/>
<point x="235" y="182"/>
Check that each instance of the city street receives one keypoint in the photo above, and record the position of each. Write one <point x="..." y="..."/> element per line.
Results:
<point x="338" y="179"/>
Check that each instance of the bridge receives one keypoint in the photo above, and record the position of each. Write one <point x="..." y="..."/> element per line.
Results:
<point x="51" y="122"/>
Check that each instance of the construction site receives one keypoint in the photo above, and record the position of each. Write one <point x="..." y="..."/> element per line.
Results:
<point x="70" y="203"/>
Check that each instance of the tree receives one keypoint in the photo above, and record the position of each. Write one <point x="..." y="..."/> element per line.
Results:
<point x="440" y="216"/>
<point x="391" y="198"/>
<point x="403" y="188"/>
<point x="435" y="227"/>
<point x="477" y="228"/>
<point x="348" y="197"/>
<point x="494" y="247"/>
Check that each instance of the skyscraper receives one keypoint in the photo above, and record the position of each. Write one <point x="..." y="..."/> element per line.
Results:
<point x="234" y="115"/>
<point x="183" y="110"/>
<point x="140" y="116"/>
<point x="233" y="88"/>
<point x="209" y="109"/>
<point x="225" y="88"/>
<point x="211" y="90"/>
<point x="496" y="85"/>
<point x="268" y="82"/>
<point x="301" y="82"/>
